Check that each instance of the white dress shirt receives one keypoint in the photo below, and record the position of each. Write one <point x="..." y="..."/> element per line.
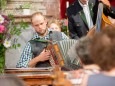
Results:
<point x="87" y="14"/>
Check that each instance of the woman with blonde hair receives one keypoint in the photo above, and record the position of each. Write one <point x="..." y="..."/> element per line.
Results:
<point x="54" y="25"/>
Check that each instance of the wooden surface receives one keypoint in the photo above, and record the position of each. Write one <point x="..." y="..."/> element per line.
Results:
<point x="41" y="76"/>
<point x="33" y="77"/>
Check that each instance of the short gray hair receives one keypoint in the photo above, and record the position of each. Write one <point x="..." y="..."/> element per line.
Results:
<point x="82" y="49"/>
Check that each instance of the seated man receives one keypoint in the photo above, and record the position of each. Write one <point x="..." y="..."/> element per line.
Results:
<point x="35" y="59"/>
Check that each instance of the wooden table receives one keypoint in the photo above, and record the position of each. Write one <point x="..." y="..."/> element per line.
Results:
<point x="33" y="76"/>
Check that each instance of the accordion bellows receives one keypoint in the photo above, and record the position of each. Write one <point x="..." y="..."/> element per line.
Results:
<point x="64" y="46"/>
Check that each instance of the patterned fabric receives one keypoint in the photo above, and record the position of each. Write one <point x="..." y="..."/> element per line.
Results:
<point x="27" y="55"/>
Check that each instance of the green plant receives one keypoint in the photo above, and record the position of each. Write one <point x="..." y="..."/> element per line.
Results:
<point x="3" y="4"/>
<point x="26" y="6"/>
<point x="8" y="29"/>
<point x="64" y="26"/>
<point x="8" y="36"/>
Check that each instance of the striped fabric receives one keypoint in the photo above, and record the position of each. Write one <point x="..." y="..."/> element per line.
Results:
<point x="64" y="46"/>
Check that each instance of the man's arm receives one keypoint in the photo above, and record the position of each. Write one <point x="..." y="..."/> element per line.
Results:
<point x="72" y="32"/>
<point x="26" y="59"/>
<point x="26" y="56"/>
<point x="71" y="27"/>
<point x="43" y="56"/>
<point x="109" y="10"/>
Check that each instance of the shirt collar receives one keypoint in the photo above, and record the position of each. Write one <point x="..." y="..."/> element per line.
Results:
<point x="82" y="4"/>
<point x="36" y="35"/>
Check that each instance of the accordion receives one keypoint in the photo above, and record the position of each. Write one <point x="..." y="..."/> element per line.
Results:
<point x="61" y="57"/>
<point x="58" y="49"/>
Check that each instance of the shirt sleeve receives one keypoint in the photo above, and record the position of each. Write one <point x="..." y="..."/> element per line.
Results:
<point x="64" y="36"/>
<point x="26" y="56"/>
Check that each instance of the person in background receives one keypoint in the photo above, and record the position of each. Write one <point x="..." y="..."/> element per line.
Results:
<point x="102" y="52"/>
<point x="82" y="15"/>
<point x="34" y="55"/>
<point x="82" y="50"/>
<point x="54" y="25"/>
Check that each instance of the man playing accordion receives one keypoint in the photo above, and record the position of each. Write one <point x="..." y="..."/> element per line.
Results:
<point x="30" y="56"/>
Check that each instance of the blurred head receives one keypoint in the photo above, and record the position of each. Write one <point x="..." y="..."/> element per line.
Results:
<point x="10" y="80"/>
<point x="54" y="25"/>
<point x="102" y="49"/>
<point x="39" y="23"/>
<point x="82" y="50"/>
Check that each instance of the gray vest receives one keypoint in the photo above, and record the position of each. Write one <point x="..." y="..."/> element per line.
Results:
<point x="38" y="45"/>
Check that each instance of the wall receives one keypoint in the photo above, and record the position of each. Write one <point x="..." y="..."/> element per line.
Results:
<point x="48" y="7"/>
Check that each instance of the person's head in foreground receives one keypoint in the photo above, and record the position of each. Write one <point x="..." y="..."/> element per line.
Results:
<point x="82" y="50"/>
<point x="103" y="49"/>
<point x="10" y="80"/>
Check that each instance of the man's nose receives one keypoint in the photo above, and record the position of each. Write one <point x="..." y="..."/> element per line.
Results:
<point x="40" y="26"/>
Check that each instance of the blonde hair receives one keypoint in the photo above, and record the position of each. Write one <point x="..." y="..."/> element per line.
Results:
<point x="54" y="21"/>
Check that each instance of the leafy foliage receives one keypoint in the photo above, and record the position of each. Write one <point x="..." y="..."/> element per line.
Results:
<point x="8" y="36"/>
<point x="3" y="4"/>
<point x="26" y="5"/>
<point x="64" y="26"/>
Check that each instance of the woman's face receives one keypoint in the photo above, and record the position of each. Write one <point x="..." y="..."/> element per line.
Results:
<point x="55" y="27"/>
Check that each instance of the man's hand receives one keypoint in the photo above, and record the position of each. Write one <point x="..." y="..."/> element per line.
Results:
<point x="44" y="55"/>
<point x="106" y="2"/>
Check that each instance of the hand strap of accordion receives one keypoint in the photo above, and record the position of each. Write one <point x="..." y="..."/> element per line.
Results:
<point x="55" y="59"/>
